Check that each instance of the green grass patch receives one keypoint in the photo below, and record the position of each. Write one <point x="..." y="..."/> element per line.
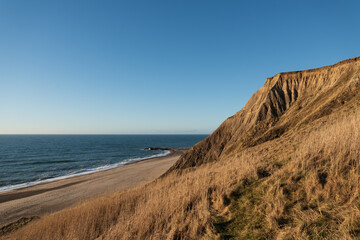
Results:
<point x="247" y="218"/>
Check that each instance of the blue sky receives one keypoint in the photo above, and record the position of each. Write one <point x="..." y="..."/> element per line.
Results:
<point x="156" y="66"/>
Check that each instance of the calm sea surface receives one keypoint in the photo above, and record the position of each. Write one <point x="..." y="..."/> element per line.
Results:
<point x="27" y="160"/>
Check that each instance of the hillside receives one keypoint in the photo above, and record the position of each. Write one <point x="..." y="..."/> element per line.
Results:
<point x="284" y="104"/>
<point x="286" y="166"/>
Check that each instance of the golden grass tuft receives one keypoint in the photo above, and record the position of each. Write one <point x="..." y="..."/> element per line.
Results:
<point x="318" y="191"/>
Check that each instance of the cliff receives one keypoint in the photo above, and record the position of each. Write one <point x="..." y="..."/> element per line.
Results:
<point x="286" y="102"/>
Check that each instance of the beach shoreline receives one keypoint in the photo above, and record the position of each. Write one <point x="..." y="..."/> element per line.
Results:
<point x="45" y="198"/>
<point x="4" y="189"/>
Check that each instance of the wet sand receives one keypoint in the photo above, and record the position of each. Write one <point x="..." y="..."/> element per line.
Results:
<point x="50" y="197"/>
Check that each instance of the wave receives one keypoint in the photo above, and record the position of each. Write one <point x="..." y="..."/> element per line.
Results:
<point x="81" y="172"/>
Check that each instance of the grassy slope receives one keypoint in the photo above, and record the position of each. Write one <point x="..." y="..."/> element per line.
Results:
<point x="268" y="191"/>
<point x="313" y="195"/>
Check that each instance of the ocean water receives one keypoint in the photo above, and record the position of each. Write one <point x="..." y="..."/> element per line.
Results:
<point x="27" y="160"/>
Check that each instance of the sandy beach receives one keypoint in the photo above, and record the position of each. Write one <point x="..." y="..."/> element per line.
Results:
<point x="50" y="197"/>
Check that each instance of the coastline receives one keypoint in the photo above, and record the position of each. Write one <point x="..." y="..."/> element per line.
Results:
<point x="44" y="198"/>
<point x="84" y="172"/>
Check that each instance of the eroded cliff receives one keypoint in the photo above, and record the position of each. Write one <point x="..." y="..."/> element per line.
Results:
<point x="285" y="103"/>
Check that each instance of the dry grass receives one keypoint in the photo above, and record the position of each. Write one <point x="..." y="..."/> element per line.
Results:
<point x="318" y="191"/>
<point x="315" y="194"/>
<point x="178" y="206"/>
<point x="312" y="193"/>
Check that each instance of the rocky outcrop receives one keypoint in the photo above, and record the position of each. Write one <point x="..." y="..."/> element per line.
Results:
<point x="285" y="102"/>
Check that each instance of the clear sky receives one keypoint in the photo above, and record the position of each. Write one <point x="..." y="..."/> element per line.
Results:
<point x="152" y="66"/>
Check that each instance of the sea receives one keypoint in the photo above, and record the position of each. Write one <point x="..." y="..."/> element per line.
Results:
<point x="27" y="160"/>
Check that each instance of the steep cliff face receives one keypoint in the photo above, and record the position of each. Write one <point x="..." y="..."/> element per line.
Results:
<point x="285" y="103"/>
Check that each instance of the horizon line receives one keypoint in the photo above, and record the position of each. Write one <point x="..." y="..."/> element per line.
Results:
<point x="3" y="134"/>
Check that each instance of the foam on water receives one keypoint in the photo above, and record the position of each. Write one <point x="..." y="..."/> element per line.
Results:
<point x="81" y="172"/>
